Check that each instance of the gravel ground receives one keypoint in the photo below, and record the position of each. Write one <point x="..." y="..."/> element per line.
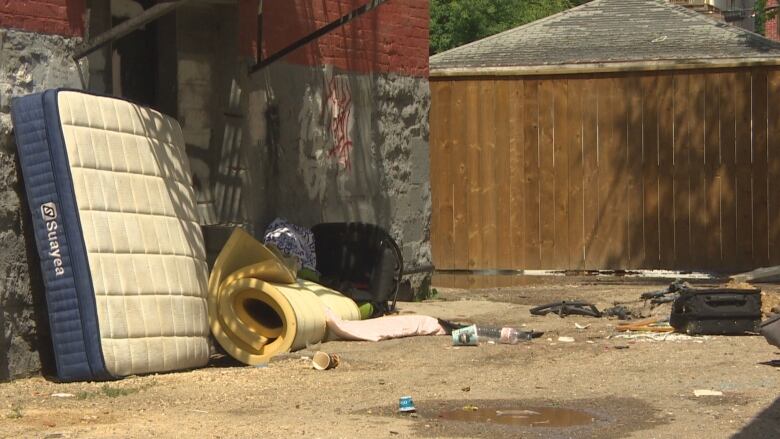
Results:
<point x="628" y="388"/>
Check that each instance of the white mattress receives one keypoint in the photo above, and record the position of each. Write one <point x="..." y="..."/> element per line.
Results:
<point x="132" y="185"/>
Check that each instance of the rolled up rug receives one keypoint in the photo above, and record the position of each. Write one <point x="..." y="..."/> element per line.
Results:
<point x="257" y="308"/>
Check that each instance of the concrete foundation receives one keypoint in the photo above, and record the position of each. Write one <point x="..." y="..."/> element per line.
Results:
<point x="29" y="62"/>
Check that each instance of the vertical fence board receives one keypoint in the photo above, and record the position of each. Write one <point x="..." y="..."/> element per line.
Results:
<point x="561" y="133"/>
<point x="635" y="142"/>
<point x="487" y="174"/>
<point x="759" y="164"/>
<point x="666" y="205"/>
<point x="576" y="175"/>
<point x="546" y="173"/>
<point x="773" y="169"/>
<point x="681" y="179"/>
<point x="473" y="167"/>
<point x="650" y="128"/>
<point x="699" y="236"/>
<point x="532" y="207"/>
<point x="459" y="169"/>
<point x="590" y="113"/>
<point x="502" y="176"/>
<point x="727" y="168"/>
<point x="517" y="173"/>
<point x="743" y="161"/>
<point x="619" y="248"/>
<point x="440" y="148"/>
<point x="714" y="236"/>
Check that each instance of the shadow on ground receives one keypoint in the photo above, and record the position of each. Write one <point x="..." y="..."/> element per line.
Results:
<point x="766" y="424"/>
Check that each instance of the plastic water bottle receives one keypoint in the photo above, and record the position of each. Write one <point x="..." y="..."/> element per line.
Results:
<point x="504" y="335"/>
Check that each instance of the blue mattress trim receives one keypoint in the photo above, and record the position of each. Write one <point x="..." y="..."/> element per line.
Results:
<point x="70" y="295"/>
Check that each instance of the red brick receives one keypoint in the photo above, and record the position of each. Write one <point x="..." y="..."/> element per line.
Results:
<point x="397" y="30"/>
<point x="63" y="17"/>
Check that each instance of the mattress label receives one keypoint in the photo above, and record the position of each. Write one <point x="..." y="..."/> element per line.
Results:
<point x="49" y="214"/>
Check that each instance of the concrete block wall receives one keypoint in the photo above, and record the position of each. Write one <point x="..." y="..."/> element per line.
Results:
<point x="29" y="62"/>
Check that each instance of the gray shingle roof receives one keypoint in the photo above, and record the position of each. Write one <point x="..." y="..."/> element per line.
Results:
<point x="611" y="31"/>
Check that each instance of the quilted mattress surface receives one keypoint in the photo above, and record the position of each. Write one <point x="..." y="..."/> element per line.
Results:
<point x="122" y="256"/>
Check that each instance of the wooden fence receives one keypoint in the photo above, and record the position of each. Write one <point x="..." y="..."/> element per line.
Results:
<point x="676" y="170"/>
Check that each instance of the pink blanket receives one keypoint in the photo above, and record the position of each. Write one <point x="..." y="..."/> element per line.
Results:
<point x="382" y="328"/>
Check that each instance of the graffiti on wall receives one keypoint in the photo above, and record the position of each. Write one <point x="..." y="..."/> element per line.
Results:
<point x="339" y="120"/>
<point x="326" y="120"/>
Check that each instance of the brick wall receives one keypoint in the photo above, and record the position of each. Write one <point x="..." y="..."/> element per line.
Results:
<point x="62" y="17"/>
<point x="391" y="38"/>
<point x="771" y="25"/>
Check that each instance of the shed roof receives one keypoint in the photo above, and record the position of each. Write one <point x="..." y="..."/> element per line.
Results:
<point x="609" y="33"/>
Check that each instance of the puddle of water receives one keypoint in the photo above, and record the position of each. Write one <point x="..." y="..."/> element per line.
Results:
<point x="532" y="417"/>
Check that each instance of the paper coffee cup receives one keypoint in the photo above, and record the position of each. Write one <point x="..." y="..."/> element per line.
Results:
<point x="324" y="361"/>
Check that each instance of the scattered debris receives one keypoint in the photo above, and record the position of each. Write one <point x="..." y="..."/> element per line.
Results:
<point x="619" y="311"/>
<point x="62" y="395"/>
<point x="565" y="308"/>
<point x="705" y="392"/>
<point x="664" y="296"/>
<point x="766" y="274"/>
<point x="470" y="408"/>
<point x="652" y="324"/>
<point x="566" y="339"/>
<point x="466" y="389"/>
<point x="578" y="326"/>
<point x="655" y="336"/>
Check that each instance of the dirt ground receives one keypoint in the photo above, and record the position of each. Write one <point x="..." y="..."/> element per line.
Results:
<point x="626" y="388"/>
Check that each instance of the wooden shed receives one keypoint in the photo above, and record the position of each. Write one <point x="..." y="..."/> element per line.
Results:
<point x="620" y="134"/>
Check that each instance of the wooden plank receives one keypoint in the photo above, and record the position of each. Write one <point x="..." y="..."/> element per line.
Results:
<point x="759" y="184"/>
<point x="619" y="256"/>
<point x="487" y="174"/>
<point x="460" y="188"/>
<point x="606" y="238"/>
<point x="712" y="159"/>
<point x="517" y="173"/>
<point x="547" y="173"/>
<point x="561" y="140"/>
<point x="650" y="158"/>
<point x="773" y="166"/>
<point x="635" y="202"/>
<point x="441" y="189"/>
<point x="684" y="113"/>
<point x="727" y="171"/>
<point x="574" y="138"/>
<point x="700" y="234"/>
<point x="743" y="160"/>
<point x="502" y="175"/>
<point x="666" y="196"/>
<point x="590" y="183"/>
<point x="473" y="172"/>
<point x="532" y="187"/>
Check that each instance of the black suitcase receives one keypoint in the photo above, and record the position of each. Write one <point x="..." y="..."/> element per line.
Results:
<point x="717" y="311"/>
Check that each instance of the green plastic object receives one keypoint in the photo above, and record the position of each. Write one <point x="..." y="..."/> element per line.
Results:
<point x="366" y="310"/>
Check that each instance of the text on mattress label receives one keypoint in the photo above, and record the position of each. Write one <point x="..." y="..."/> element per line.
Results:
<point x="49" y="214"/>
